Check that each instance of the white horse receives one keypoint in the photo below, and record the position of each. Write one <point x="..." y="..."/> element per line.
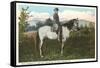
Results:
<point x="45" y="32"/>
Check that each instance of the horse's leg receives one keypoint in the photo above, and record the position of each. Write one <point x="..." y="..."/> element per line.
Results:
<point x="62" y="46"/>
<point x="40" y="46"/>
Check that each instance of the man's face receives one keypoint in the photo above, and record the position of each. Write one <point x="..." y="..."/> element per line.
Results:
<point x="55" y="11"/>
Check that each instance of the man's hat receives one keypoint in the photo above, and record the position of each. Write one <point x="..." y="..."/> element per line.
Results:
<point x="56" y="9"/>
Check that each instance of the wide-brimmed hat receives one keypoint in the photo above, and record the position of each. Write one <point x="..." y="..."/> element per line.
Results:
<point x="56" y="9"/>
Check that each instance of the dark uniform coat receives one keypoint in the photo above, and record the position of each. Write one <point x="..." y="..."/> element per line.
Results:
<point x="56" y="18"/>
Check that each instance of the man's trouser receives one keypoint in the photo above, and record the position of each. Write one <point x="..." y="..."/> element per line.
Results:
<point x="59" y="32"/>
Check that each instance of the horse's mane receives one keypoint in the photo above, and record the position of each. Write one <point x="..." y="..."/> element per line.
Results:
<point x="69" y="23"/>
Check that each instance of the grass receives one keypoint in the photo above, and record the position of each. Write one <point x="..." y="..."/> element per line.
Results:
<point x="80" y="45"/>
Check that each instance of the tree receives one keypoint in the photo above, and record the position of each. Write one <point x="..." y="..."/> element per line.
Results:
<point x="24" y="15"/>
<point x="39" y="24"/>
<point x="49" y="22"/>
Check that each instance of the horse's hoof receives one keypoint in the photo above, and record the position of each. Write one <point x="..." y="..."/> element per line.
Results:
<point x="61" y="54"/>
<point x="42" y="56"/>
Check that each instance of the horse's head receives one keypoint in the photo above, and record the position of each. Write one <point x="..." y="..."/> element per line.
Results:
<point x="72" y="24"/>
<point x="75" y="25"/>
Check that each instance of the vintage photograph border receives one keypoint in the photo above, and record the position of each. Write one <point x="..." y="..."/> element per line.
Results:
<point x="14" y="32"/>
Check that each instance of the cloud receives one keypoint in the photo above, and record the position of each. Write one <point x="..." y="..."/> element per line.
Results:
<point x="69" y="14"/>
<point x="64" y="15"/>
<point x="39" y="16"/>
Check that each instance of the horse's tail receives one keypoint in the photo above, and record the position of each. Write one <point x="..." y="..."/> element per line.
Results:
<point x="37" y="39"/>
<point x="37" y="42"/>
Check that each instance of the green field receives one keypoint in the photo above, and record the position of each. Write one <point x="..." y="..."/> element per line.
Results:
<point x="80" y="45"/>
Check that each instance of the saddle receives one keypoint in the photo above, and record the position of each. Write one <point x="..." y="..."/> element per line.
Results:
<point x="58" y="30"/>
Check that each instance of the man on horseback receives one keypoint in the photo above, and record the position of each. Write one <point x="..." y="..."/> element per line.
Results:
<point x="56" y="20"/>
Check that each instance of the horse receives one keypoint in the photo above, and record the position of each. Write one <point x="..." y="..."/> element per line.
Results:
<point x="45" y="32"/>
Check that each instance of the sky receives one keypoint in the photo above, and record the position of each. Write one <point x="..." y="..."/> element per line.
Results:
<point x="42" y="12"/>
